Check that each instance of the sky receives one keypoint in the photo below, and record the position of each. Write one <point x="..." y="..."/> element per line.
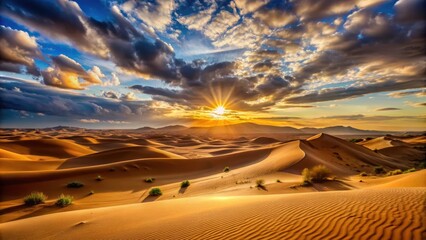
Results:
<point x="129" y="64"/>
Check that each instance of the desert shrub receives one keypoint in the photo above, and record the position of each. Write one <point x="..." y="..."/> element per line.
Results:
<point x="363" y="174"/>
<point x="35" y="198"/>
<point x="64" y="200"/>
<point x="278" y="181"/>
<point x="410" y="170"/>
<point x="149" y="180"/>
<point x="226" y="169"/>
<point x="260" y="183"/>
<point x="394" y="172"/>
<point x="306" y="174"/>
<point x="75" y="184"/>
<point x="185" y="184"/>
<point x="155" y="192"/>
<point x="379" y="170"/>
<point x="306" y="184"/>
<point x="319" y="173"/>
<point x="99" y="178"/>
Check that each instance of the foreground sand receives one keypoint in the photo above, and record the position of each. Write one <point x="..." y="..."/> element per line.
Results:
<point x="217" y="205"/>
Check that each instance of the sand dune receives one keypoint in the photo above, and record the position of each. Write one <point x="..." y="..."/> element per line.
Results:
<point x="218" y="204"/>
<point x="46" y="147"/>
<point x="364" y="214"/>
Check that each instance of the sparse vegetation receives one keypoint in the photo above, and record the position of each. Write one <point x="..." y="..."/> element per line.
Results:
<point x="363" y="174"/>
<point x="278" y="181"/>
<point x="149" y="180"/>
<point x="35" y="198"/>
<point x="306" y="174"/>
<point x="319" y="173"/>
<point x="99" y="178"/>
<point x="226" y="169"/>
<point x="409" y="170"/>
<point x="394" y="172"/>
<point x="75" y="184"/>
<point x="260" y="183"/>
<point x="243" y="181"/>
<point x="155" y="192"/>
<point x="64" y="200"/>
<point x="185" y="184"/>
<point x="379" y="170"/>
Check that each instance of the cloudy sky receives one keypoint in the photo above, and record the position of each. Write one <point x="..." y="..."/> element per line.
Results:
<point x="127" y="64"/>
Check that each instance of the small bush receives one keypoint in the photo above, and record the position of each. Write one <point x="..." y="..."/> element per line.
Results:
<point x="410" y="170"/>
<point x="35" y="198"/>
<point x="260" y="183"/>
<point x="149" y="180"/>
<point x="99" y="178"/>
<point x="64" y="200"/>
<point x="319" y="173"/>
<point x="75" y="184"/>
<point x="185" y="184"/>
<point x="394" y="172"/>
<point x="306" y="184"/>
<point x="155" y="192"/>
<point x="278" y="181"/>
<point x="306" y="174"/>
<point x="226" y="169"/>
<point x="363" y="174"/>
<point x="379" y="170"/>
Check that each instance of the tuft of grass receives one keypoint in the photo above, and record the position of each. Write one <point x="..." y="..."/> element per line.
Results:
<point x="226" y="169"/>
<point x="75" y="184"/>
<point x="149" y="180"/>
<point x="155" y="192"/>
<point x="363" y="174"/>
<point x="99" y="178"/>
<point x="409" y="170"/>
<point x="35" y="198"/>
<point x="64" y="200"/>
<point x="379" y="170"/>
<point x="394" y="172"/>
<point x="320" y="173"/>
<point x="185" y="184"/>
<point x="306" y="174"/>
<point x="260" y="183"/>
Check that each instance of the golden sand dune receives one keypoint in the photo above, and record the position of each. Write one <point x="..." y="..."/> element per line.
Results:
<point x="117" y="155"/>
<point x="264" y="140"/>
<point x="395" y="213"/>
<point x="46" y="147"/>
<point x="4" y="154"/>
<point x="382" y="142"/>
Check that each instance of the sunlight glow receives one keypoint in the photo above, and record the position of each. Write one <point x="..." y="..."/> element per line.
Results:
<point x="220" y="110"/>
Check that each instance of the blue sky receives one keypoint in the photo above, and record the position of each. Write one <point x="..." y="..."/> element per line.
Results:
<point x="127" y="64"/>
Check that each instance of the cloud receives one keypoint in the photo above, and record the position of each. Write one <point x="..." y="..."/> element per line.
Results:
<point x="275" y="18"/>
<point x="388" y="109"/>
<point x="410" y="10"/>
<point x="89" y="120"/>
<point x="67" y="73"/>
<point x="417" y="93"/>
<point x="18" y="49"/>
<point x="115" y="81"/>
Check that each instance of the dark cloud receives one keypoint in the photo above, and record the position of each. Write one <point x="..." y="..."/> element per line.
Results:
<point x="356" y="91"/>
<point x="18" y="50"/>
<point x="388" y="109"/>
<point x="36" y="98"/>
<point x="410" y="10"/>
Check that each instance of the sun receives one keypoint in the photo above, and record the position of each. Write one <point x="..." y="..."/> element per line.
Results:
<point x="219" y="112"/>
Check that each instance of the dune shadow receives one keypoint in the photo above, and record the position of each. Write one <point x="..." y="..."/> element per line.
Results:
<point x="12" y="209"/>
<point x="262" y="188"/>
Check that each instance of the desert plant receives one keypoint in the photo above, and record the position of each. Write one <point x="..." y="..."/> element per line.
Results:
<point x="185" y="184"/>
<point x="278" y="181"/>
<point x="394" y="172"/>
<point x="155" y="192"/>
<point x="363" y="174"/>
<point x="226" y="169"/>
<point x="149" y="180"/>
<point x="319" y="173"/>
<point x="99" y="178"/>
<point x="260" y="183"/>
<point x="409" y="170"/>
<point x="379" y="170"/>
<point x="64" y="200"/>
<point x="35" y="198"/>
<point x="75" y="184"/>
<point x="306" y="174"/>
